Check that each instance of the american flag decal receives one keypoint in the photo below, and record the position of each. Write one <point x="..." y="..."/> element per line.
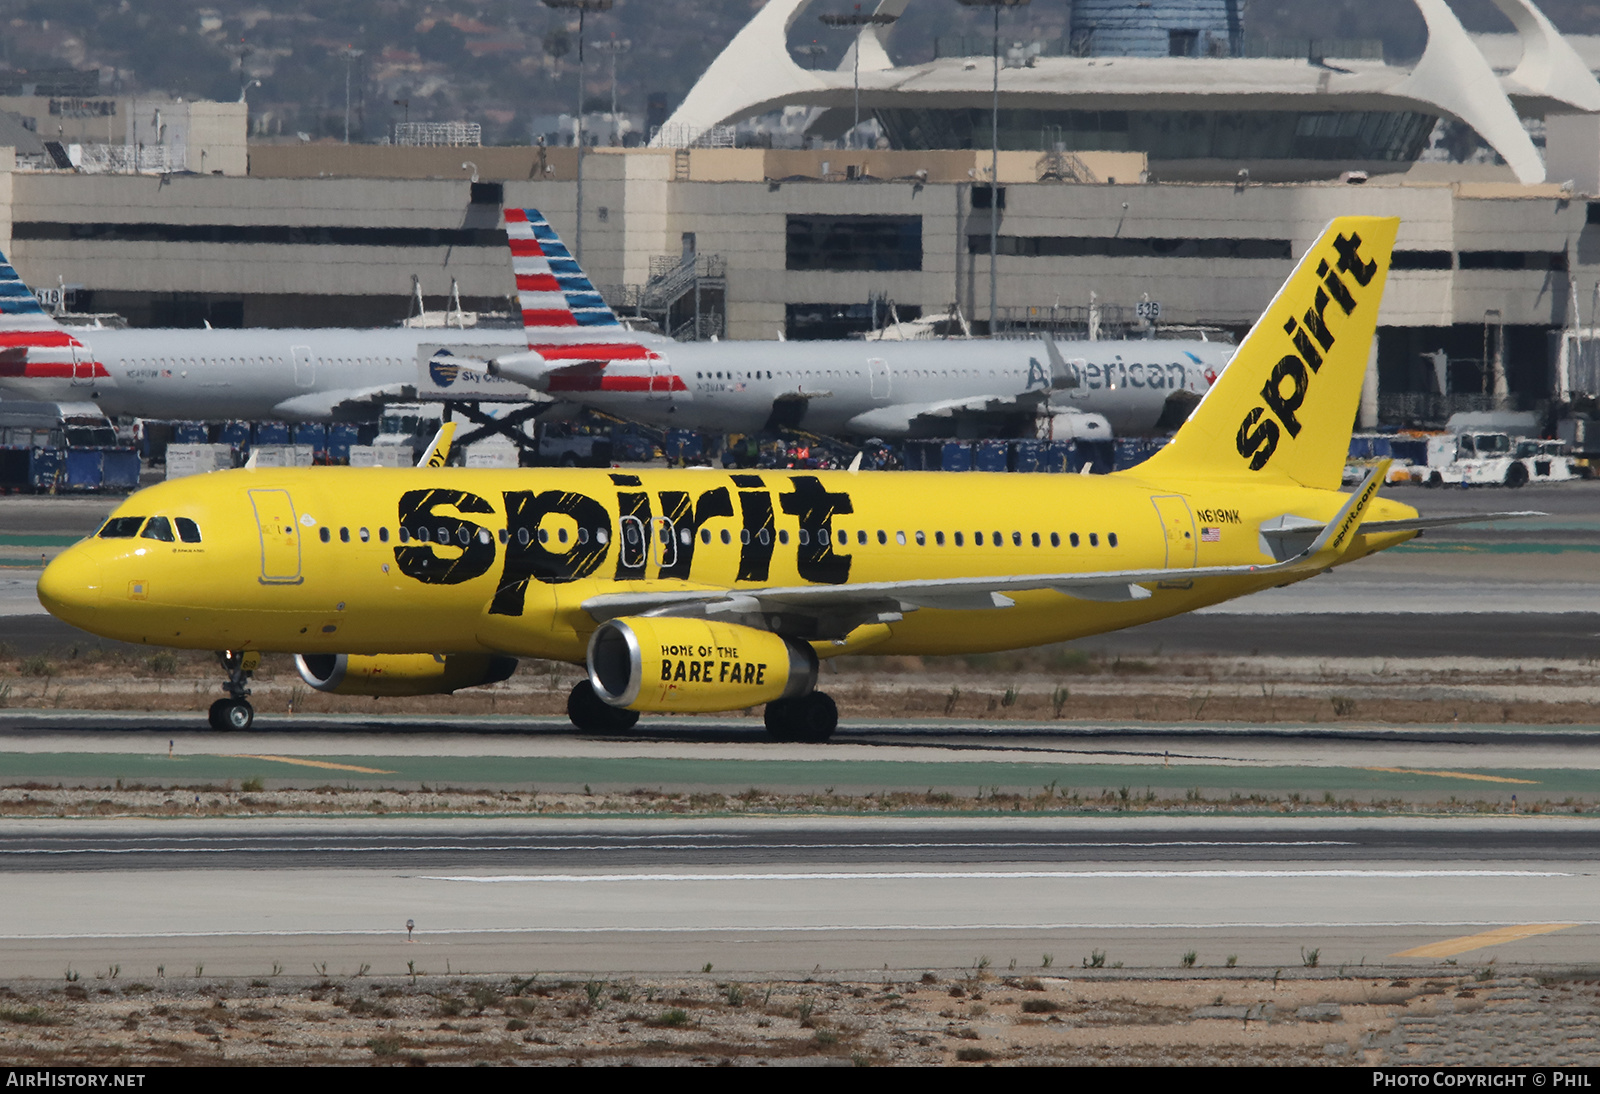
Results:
<point x="1211" y="535"/>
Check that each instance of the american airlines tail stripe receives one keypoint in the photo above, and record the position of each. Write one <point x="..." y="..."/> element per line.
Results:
<point x="592" y="351"/>
<point x="53" y="370"/>
<point x="553" y="289"/>
<point x="12" y="288"/>
<point x="37" y="337"/>
<point x="537" y="282"/>
<point x="542" y="301"/>
<point x="548" y="317"/>
<point x="606" y="381"/>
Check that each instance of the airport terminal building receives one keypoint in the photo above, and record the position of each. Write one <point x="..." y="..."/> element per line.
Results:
<point x="1192" y="180"/>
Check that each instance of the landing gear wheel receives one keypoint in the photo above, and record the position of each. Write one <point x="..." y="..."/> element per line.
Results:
<point x="1434" y="479"/>
<point x="592" y="714"/>
<point x="778" y="716"/>
<point x="810" y="718"/>
<point x="232" y="714"/>
<point x="1516" y="475"/>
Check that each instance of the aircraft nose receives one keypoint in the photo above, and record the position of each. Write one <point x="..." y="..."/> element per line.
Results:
<point x="70" y="587"/>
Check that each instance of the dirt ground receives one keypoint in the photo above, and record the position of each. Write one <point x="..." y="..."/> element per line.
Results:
<point x="1050" y="683"/>
<point x="974" y="1016"/>
<point x="29" y="799"/>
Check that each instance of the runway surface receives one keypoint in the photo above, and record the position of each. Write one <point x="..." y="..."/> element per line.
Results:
<point x="729" y="755"/>
<point x="803" y="895"/>
<point x="789" y="896"/>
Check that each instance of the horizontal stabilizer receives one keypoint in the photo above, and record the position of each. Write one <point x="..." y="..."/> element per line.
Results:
<point x="1417" y="524"/>
<point x="528" y="368"/>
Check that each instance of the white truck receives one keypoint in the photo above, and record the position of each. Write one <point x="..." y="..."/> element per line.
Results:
<point x="1495" y="459"/>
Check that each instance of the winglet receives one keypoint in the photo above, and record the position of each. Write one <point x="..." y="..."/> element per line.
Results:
<point x="1060" y="375"/>
<point x="1342" y="528"/>
<point x="439" y="448"/>
<point x="855" y="464"/>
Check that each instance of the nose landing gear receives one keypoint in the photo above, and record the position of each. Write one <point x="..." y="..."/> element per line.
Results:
<point x="235" y="712"/>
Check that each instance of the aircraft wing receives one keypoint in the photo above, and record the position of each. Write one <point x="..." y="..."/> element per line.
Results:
<point x="840" y="608"/>
<point x="897" y="419"/>
<point x="324" y="405"/>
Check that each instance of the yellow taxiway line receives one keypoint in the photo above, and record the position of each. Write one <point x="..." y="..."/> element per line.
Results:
<point x="308" y="763"/>
<point x="1452" y="946"/>
<point x="1455" y="775"/>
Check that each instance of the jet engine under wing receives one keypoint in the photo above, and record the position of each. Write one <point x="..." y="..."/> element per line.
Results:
<point x="321" y="406"/>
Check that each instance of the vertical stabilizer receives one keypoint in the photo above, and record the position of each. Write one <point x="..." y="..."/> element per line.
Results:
<point x="565" y="318"/>
<point x="1285" y="405"/>
<point x="552" y="288"/>
<point x="33" y="346"/>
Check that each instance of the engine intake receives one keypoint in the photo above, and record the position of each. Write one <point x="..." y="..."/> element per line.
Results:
<point x="401" y="673"/>
<point x="695" y="666"/>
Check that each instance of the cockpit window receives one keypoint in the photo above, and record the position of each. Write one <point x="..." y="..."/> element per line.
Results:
<point x="121" y="528"/>
<point x="188" y="530"/>
<point x="158" y="528"/>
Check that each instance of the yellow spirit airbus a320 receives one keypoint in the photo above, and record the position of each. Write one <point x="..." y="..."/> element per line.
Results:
<point x="698" y="591"/>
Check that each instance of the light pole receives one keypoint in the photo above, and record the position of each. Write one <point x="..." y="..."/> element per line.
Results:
<point x="856" y="20"/>
<point x="583" y="8"/>
<point x="615" y="47"/>
<point x="350" y="54"/>
<point x="811" y="53"/>
<point x="994" y="149"/>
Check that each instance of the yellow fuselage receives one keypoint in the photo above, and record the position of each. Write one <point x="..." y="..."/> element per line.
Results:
<point x="312" y="560"/>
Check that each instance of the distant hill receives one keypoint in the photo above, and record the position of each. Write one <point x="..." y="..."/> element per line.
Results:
<point x="503" y="63"/>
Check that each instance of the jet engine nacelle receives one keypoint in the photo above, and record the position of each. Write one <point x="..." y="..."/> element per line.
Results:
<point x="1078" y="425"/>
<point x="695" y="666"/>
<point x="401" y="673"/>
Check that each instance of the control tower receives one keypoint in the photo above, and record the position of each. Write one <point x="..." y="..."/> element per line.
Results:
<point x="1157" y="28"/>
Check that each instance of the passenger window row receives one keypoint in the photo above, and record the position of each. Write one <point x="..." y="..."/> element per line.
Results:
<point x="156" y="528"/>
<point x="461" y="537"/>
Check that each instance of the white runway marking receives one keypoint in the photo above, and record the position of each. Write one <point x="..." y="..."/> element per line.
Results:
<point x="258" y="849"/>
<point x="981" y="875"/>
<point x="797" y="929"/>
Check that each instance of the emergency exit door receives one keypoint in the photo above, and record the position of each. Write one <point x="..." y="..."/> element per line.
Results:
<point x="280" y="537"/>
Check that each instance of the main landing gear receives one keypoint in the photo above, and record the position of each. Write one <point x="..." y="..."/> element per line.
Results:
<point x="235" y="712"/>
<point x="811" y="718"/>
<point x="592" y="714"/>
